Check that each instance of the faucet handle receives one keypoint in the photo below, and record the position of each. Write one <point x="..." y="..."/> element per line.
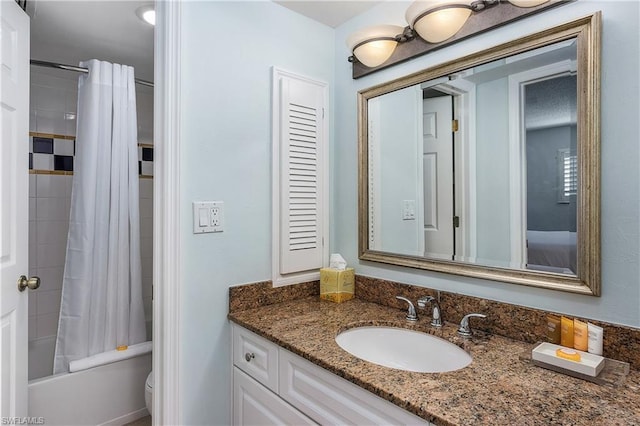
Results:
<point x="411" y="311"/>
<point x="465" y="329"/>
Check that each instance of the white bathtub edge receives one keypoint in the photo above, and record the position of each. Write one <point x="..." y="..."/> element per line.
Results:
<point x="111" y="394"/>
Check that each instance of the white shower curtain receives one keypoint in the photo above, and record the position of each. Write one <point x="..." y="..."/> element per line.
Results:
<point x="101" y="306"/>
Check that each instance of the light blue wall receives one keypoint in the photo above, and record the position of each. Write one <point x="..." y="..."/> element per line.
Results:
<point x="398" y="168"/>
<point x="620" y="301"/>
<point x="492" y="173"/>
<point x="228" y="49"/>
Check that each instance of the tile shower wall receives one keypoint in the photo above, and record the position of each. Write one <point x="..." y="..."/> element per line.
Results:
<point x="52" y="125"/>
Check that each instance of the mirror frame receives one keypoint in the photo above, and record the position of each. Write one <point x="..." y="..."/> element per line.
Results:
<point x="587" y="31"/>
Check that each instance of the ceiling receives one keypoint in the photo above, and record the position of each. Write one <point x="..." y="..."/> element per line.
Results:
<point x="329" y="12"/>
<point x="72" y="31"/>
<point x="68" y="32"/>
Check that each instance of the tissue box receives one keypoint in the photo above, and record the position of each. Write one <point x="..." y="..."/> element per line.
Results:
<point x="337" y="285"/>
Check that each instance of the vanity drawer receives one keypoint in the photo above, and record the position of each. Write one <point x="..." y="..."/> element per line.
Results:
<point x="256" y="356"/>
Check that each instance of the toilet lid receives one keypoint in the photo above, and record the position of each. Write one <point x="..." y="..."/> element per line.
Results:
<point x="149" y="382"/>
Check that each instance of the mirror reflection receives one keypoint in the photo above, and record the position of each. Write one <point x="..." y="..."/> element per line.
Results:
<point x="480" y="165"/>
<point x="488" y="166"/>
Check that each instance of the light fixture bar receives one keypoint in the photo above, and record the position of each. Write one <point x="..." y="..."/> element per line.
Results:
<point x="486" y="15"/>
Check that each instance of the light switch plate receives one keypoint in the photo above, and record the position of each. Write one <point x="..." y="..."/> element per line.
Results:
<point x="408" y="209"/>
<point x="208" y="216"/>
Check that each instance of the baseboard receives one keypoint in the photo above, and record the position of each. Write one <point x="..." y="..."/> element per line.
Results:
<point x="127" y="418"/>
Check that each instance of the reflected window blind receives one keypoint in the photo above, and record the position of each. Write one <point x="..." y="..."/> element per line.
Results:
<point x="567" y="175"/>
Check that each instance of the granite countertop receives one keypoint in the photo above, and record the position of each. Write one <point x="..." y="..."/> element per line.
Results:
<point x="497" y="388"/>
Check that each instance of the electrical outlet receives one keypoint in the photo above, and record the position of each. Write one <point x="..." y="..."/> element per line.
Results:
<point x="208" y="216"/>
<point x="217" y="216"/>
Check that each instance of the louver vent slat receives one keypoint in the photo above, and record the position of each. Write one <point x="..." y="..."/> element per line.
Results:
<point x="303" y="175"/>
<point x="300" y="176"/>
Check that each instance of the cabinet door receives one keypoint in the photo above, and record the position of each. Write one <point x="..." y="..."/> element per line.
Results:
<point x="253" y="404"/>
<point x="331" y="400"/>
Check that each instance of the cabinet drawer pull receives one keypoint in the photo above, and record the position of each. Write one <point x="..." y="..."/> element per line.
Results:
<point x="249" y="356"/>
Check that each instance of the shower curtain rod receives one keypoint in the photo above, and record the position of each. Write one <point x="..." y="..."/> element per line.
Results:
<point x="78" y="69"/>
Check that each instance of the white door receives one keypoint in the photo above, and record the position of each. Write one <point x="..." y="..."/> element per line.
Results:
<point x="14" y="194"/>
<point x="438" y="177"/>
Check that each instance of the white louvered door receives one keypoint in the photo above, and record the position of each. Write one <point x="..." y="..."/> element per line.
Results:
<point x="302" y="199"/>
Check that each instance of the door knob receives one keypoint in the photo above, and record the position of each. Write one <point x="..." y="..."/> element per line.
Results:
<point x="33" y="283"/>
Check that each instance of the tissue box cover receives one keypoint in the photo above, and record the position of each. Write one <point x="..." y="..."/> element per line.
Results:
<point x="337" y="285"/>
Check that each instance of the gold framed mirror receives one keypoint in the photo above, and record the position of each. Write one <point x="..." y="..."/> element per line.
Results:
<point x="488" y="166"/>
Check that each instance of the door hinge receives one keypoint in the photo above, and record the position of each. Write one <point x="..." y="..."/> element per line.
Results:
<point x="454" y="125"/>
<point x="322" y="112"/>
<point x="456" y="221"/>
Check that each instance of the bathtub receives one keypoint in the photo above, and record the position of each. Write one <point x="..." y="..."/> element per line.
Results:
<point x="110" y="394"/>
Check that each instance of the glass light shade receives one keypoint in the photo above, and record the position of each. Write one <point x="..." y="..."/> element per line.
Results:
<point x="443" y="23"/>
<point x="375" y="52"/>
<point x="374" y="45"/>
<point x="147" y="13"/>
<point x="150" y="16"/>
<point x="527" y="3"/>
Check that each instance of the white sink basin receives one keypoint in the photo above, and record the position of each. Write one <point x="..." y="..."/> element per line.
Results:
<point x="403" y="349"/>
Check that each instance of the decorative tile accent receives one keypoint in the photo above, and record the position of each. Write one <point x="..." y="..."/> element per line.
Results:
<point x="42" y="161"/>
<point x="145" y="160"/>
<point x="49" y="153"/>
<point x="146" y="168"/>
<point x="43" y="145"/>
<point x="50" y="135"/>
<point x="63" y="162"/>
<point x="147" y="154"/>
<point x="64" y="146"/>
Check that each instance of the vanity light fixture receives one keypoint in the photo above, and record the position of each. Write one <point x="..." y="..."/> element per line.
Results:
<point x="374" y="45"/>
<point x="437" y="23"/>
<point x="527" y="3"/>
<point x="439" y="20"/>
<point x="147" y="13"/>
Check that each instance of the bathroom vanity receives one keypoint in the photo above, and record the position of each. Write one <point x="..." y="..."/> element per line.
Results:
<point x="289" y="369"/>
<point x="271" y="383"/>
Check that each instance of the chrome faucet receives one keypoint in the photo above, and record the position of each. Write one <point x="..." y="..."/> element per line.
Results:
<point x="436" y="313"/>
<point x="411" y="311"/>
<point x="465" y="329"/>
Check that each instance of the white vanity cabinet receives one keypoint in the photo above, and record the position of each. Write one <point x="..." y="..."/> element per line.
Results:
<point x="274" y="386"/>
<point x="255" y="383"/>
